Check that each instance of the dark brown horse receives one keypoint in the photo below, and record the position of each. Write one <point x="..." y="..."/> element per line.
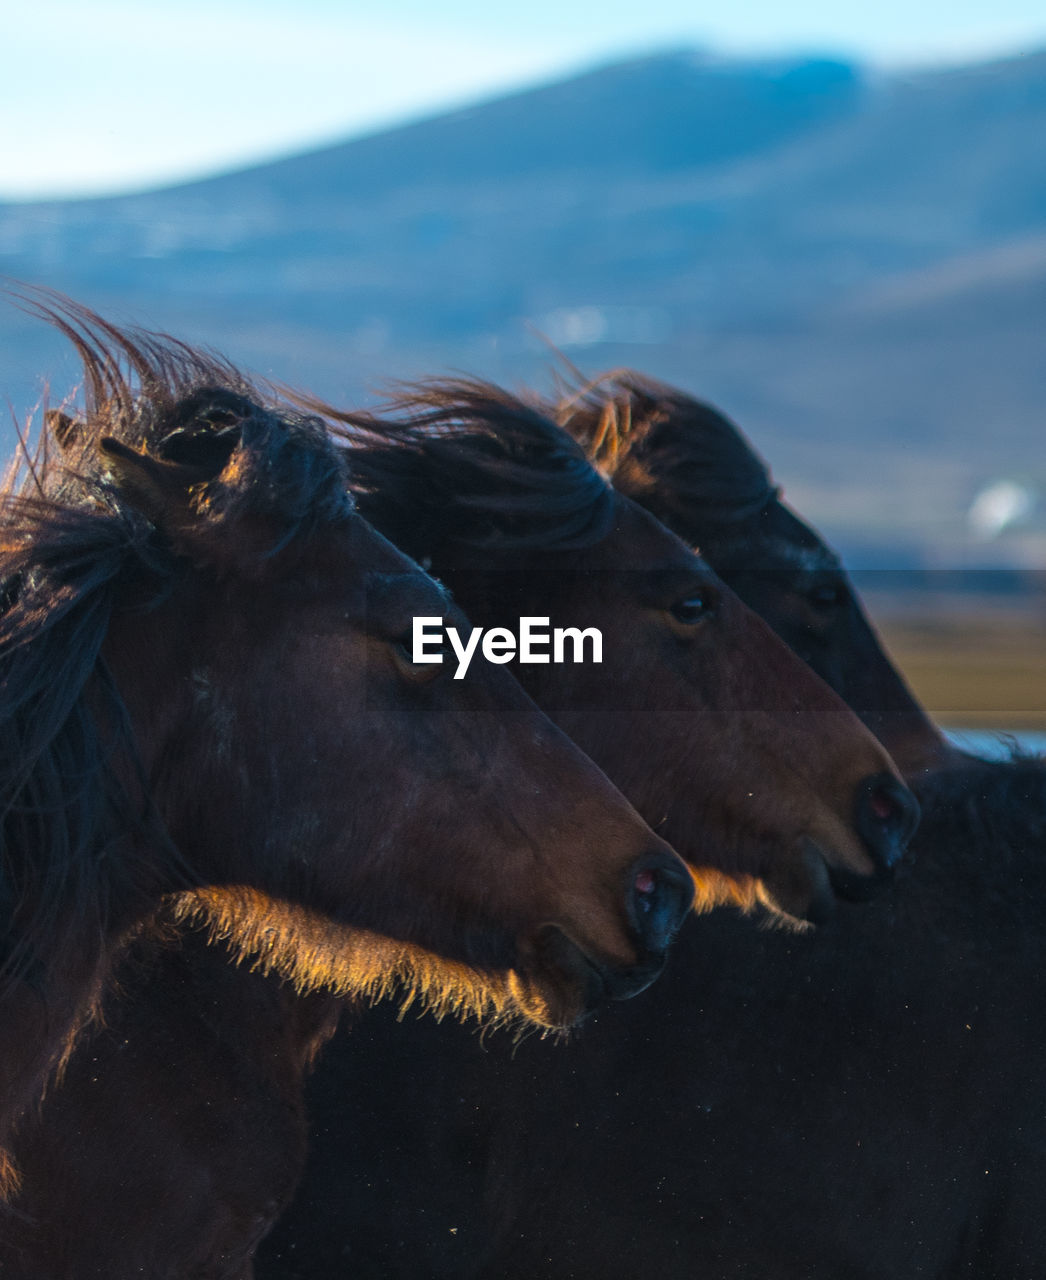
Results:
<point x="203" y="676"/>
<point x="734" y="752"/>
<point x="690" y="465"/>
<point x="550" y="516"/>
<point x="860" y="1101"/>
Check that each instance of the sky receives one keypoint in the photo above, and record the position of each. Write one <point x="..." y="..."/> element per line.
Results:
<point x="119" y="95"/>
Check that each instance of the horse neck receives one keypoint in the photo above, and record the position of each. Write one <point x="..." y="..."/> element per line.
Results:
<point x="178" y="1006"/>
<point x="264" y="1021"/>
<point x="987" y="819"/>
<point x="41" y="1018"/>
<point x="70" y="945"/>
<point x="101" y="878"/>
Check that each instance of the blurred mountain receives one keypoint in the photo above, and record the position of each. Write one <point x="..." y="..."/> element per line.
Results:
<point x="853" y="265"/>
<point x="653" y="115"/>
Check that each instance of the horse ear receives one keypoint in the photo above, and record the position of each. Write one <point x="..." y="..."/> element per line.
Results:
<point x="158" y="489"/>
<point x="64" y="428"/>
<point x="162" y="491"/>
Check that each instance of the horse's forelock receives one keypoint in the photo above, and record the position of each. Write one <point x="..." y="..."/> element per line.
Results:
<point x="667" y="448"/>
<point x="187" y="405"/>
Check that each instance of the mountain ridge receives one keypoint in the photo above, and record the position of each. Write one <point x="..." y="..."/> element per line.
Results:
<point x="837" y="259"/>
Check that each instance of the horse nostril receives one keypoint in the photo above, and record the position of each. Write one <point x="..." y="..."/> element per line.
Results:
<point x="662" y="894"/>
<point x="882" y="803"/>
<point x="646" y="883"/>
<point x="887" y="815"/>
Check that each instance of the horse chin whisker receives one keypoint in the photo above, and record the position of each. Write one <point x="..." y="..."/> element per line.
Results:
<point x="10" y="1178"/>
<point x="804" y="896"/>
<point x="776" y="919"/>
<point x="313" y="953"/>
<point x="715" y="888"/>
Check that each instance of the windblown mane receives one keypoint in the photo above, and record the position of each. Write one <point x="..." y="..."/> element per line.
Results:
<point x="455" y="464"/>
<point x="74" y="548"/>
<point x="665" y="449"/>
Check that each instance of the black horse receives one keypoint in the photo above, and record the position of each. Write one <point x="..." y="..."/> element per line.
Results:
<point x="865" y="1100"/>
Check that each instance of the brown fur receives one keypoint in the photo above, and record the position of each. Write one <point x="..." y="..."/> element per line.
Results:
<point x="743" y="760"/>
<point x="689" y="465"/>
<point x="678" y="713"/>
<point x="199" y="653"/>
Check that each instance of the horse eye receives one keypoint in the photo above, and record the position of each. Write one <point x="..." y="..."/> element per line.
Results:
<point x="404" y="646"/>
<point x="403" y="652"/>
<point x="690" y="610"/>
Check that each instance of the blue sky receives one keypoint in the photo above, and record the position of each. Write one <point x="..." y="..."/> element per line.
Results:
<point x="121" y="94"/>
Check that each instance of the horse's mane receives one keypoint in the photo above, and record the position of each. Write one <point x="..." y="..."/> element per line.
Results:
<point x="464" y="464"/>
<point x="75" y="546"/>
<point x="670" y="451"/>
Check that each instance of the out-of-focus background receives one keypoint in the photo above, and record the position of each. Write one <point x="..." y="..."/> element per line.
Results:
<point x="831" y="223"/>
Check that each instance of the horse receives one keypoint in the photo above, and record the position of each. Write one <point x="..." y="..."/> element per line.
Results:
<point x="691" y="466"/>
<point x="861" y="1100"/>
<point x="500" y="503"/>
<point x="549" y="514"/>
<point x="203" y="672"/>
